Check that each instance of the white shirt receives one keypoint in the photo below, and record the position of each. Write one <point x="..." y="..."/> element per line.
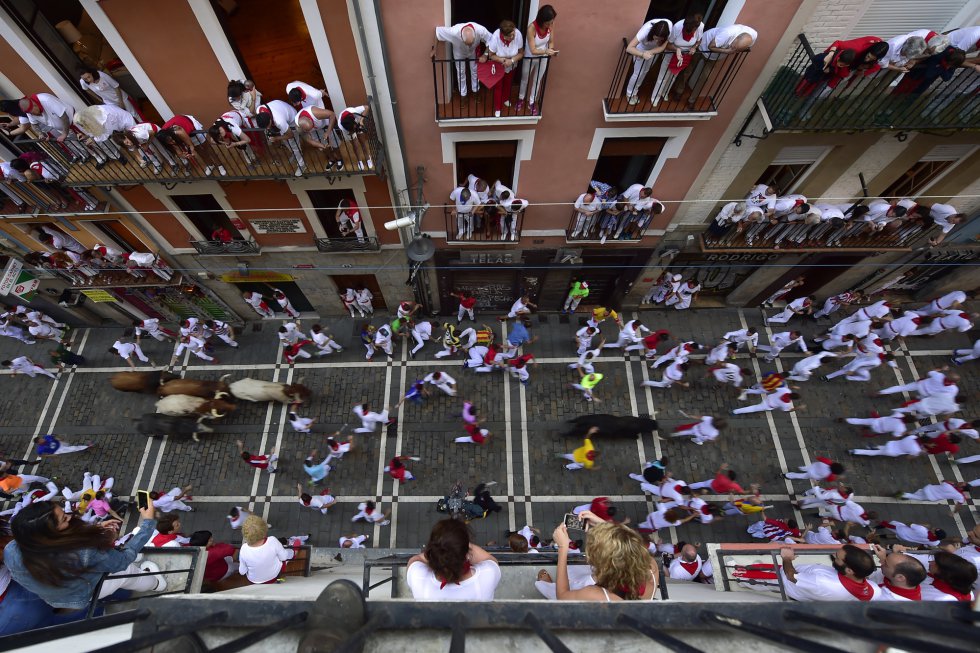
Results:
<point x="125" y="349"/>
<point x="643" y="34"/>
<point x="677" y="36"/>
<point x="260" y="564"/>
<point x="811" y="363"/>
<point x="785" y="204"/>
<point x="283" y="114"/>
<point x="356" y="542"/>
<point x="727" y="215"/>
<point x="942" y="492"/>
<point x="580" y="204"/>
<point x="112" y="119"/>
<point x="930" y="593"/>
<point x="723" y="37"/>
<point x="55" y="115"/>
<point x="539" y="43"/>
<point x="105" y="87"/>
<point x="820" y="536"/>
<point x="827" y="212"/>
<point x="22" y="363"/>
<point x="705" y="429"/>
<point x="314" y="97"/>
<point x="632" y="195"/>
<point x="894" y="56"/>
<point x="742" y="335"/>
<point x="506" y="50"/>
<point x="820" y="583"/>
<point x="144" y="131"/>
<point x="728" y="373"/>
<point x="758" y="197"/>
<point x="444" y="379"/>
<point x="358" y="110"/>
<point x="423" y="329"/>
<point x="965" y="38"/>
<point x="467" y="206"/>
<point x="149" y="325"/>
<point x="949" y="299"/>
<point x="301" y="423"/>
<point x="478" y="587"/>
<point x="62" y="241"/>
<point x="10" y="173"/>
<point x="454" y="35"/>
<point x="364" y="296"/>
<point x="305" y="112"/>
<point x="939" y="213"/>
<point x="775" y="399"/>
<point x="674" y="371"/>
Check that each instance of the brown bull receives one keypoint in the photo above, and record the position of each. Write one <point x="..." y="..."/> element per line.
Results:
<point x="145" y="382"/>
<point x="195" y="388"/>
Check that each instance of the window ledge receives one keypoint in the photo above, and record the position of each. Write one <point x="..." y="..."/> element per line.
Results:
<point x="652" y="116"/>
<point x="486" y="122"/>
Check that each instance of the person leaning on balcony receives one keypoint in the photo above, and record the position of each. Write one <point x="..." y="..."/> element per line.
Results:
<point x="301" y="95"/>
<point x="586" y="208"/>
<point x="731" y="215"/>
<point x="244" y="97"/>
<point x="465" y="203"/>
<point x="352" y="122"/>
<point x="967" y="39"/>
<point x="540" y="44"/>
<point x="348" y="218"/>
<point x="622" y="566"/>
<point x="903" y="52"/>
<point x="227" y="131"/>
<point x="717" y="43"/>
<point x="451" y="567"/>
<point x="650" y="41"/>
<point x="312" y="118"/>
<point x="684" y="40"/>
<point x="946" y="217"/>
<point x="181" y="135"/>
<point x="505" y="47"/>
<point x="50" y="116"/>
<point x="261" y="559"/>
<point x="276" y="118"/>
<point x="837" y="67"/>
<point x="940" y="66"/>
<point x="101" y="84"/>
<point x="465" y="38"/>
<point x="99" y="122"/>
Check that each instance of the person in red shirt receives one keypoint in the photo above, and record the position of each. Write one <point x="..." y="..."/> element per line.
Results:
<point x="722" y="483"/>
<point x="654" y="340"/>
<point x="467" y="304"/>
<point x="262" y="461"/>
<point x="181" y="135"/>
<point x="945" y="443"/>
<point x="222" y="557"/>
<point x="476" y="434"/>
<point x="839" y="61"/>
<point x="397" y="470"/>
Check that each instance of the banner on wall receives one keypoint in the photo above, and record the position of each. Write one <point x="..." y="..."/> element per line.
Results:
<point x="99" y="296"/>
<point x="11" y="272"/>
<point x="25" y="286"/>
<point x="256" y="276"/>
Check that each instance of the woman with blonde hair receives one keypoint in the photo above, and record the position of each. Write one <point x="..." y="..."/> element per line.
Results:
<point x="262" y="558"/>
<point x="622" y="566"/>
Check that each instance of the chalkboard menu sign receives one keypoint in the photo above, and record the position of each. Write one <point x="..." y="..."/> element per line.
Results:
<point x="493" y="290"/>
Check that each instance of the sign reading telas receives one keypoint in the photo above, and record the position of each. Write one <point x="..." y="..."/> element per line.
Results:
<point x="278" y="226"/>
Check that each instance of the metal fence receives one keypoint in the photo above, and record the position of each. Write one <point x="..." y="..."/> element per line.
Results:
<point x="797" y="235"/>
<point x="886" y="100"/>
<point x="454" y="81"/>
<point x="32" y="197"/>
<point x="490" y="226"/>
<point x="348" y="244"/>
<point x="106" y="163"/>
<point x="229" y="248"/>
<point x="604" y="226"/>
<point x="647" y="86"/>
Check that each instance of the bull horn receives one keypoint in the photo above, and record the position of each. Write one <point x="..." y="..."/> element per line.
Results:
<point x="223" y="377"/>
<point x="220" y="394"/>
<point x="217" y="414"/>
<point x="195" y="438"/>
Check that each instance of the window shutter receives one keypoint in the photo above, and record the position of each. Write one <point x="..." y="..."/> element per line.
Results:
<point x="949" y="152"/>
<point x="799" y="155"/>
<point x="888" y="18"/>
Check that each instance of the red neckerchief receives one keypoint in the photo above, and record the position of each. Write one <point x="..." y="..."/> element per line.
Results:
<point x="164" y="538"/>
<point x="600" y="508"/>
<point x="945" y="588"/>
<point x="506" y="41"/>
<point x="34" y="100"/>
<point x="622" y="591"/>
<point x="537" y="30"/>
<point x="688" y="35"/>
<point x="691" y="567"/>
<point x="368" y="511"/>
<point x="466" y="570"/>
<point x="913" y="594"/>
<point x="265" y="109"/>
<point x="861" y="590"/>
<point x="956" y="488"/>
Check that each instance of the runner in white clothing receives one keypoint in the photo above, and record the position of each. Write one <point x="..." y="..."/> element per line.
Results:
<point x="945" y="491"/>
<point x="805" y="368"/>
<point x="859" y="369"/>
<point x="934" y="383"/>
<point x="894" y="424"/>
<point x="799" y="306"/>
<point x="442" y="381"/>
<point x="630" y="337"/>
<point x="729" y="373"/>
<point x="368" y="511"/>
<point x="748" y="336"/>
<point x="947" y="302"/>
<point x="172" y="500"/>
<point x="721" y="353"/>
<point x="961" y="356"/>
<point x="24" y="365"/>
<point x="370" y="419"/>
<point x="705" y="430"/>
<point x="951" y="425"/>
<point x="916" y="533"/>
<point x="323" y="341"/>
<point x="951" y="320"/>
<point x="781" y="341"/>
<point x="586" y="359"/>
<point x="907" y="446"/>
<point x="126" y="351"/>
<point x="673" y="374"/>
<point x="779" y="399"/>
<point x="900" y="327"/>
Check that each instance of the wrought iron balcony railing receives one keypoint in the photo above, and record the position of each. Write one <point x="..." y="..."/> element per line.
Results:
<point x="881" y="102"/>
<point x="489" y="227"/>
<point x="108" y="164"/>
<point x="230" y="248"/>
<point x="27" y="197"/>
<point x="645" y="86"/>
<point x="451" y="76"/>
<point x="795" y="236"/>
<point x="604" y="226"/>
<point x="351" y="244"/>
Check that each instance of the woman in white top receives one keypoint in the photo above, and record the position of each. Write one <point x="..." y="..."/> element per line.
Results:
<point x="102" y="85"/>
<point x="451" y="568"/>
<point x="683" y="42"/>
<point x="650" y="41"/>
<point x="262" y="558"/>
<point x="506" y="47"/>
<point x="622" y="566"/>
<point x="540" y="43"/>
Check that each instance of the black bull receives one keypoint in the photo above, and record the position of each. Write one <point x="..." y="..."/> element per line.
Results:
<point x="611" y="426"/>
<point x="157" y="425"/>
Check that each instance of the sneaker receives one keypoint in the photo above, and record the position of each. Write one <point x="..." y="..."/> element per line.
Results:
<point x="383" y="523"/>
<point x="496" y="114"/>
<point x="299" y="173"/>
<point x="506" y="103"/>
<point x="221" y="171"/>
<point x="151" y="567"/>
<point x="207" y="171"/>
<point x="534" y="110"/>
<point x="633" y="100"/>
<point x="519" y="107"/>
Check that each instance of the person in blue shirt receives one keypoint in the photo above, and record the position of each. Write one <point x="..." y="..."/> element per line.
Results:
<point x="48" y="445"/>
<point x="519" y="335"/>
<point x="316" y="472"/>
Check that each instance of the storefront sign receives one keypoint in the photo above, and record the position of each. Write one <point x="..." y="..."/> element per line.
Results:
<point x="491" y="257"/>
<point x="278" y="226"/>
<point x="256" y="276"/>
<point x="10" y="274"/>
<point x="26" y="286"/>
<point x="99" y="296"/>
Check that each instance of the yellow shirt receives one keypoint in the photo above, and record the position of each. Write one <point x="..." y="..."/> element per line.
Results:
<point x="581" y="454"/>
<point x="601" y="313"/>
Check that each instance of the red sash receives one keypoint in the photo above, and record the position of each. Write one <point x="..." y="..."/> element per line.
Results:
<point x="861" y="590"/>
<point x="913" y="594"/>
<point x="945" y="588"/>
<point x="691" y="567"/>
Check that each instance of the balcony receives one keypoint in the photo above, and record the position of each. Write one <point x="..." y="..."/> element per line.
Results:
<point x="477" y="108"/>
<point x="32" y="198"/>
<point x="230" y="248"/>
<point x="798" y="237"/>
<point x="875" y="103"/>
<point x="488" y="228"/>
<point x="366" y="244"/>
<point x="261" y="159"/>
<point x="696" y="99"/>
<point x="604" y="227"/>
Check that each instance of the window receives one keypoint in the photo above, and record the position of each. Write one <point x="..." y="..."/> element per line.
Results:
<point x="325" y="204"/>
<point x="678" y="10"/>
<point x="489" y="160"/>
<point x="356" y="281"/>
<point x="888" y="18"/>
<point x="790" y="167"/>
<point x="120" y="235"/>
<point x="206" y="214"/>
<point x="490" y="13"/>
<point x="623" y="162"/>
<point x="927" y="170"/>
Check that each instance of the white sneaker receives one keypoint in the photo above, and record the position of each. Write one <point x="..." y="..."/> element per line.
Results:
<point x="152" y="568"/>
<point x="633" y="100"/>
<point x="496" y="114"/>
<point x="299" y="172"/>
<point x="207" y="171"/>
<point x="507" y="103"/>
<point x="370" y="164"/>
<point x="221" y="171"/>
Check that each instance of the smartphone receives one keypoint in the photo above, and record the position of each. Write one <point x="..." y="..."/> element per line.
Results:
<point x="574" y="523"/>
<point x="143" y="499"/>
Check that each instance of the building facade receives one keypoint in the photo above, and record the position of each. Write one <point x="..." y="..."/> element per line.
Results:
<point x="260" y="215"/>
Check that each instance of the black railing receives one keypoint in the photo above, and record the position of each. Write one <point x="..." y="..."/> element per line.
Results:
<point x="348" y="244"/>
<point x="222" y="248"/>
<point x="646" y="86"/>
<point x="604" y="226"/>
<point x="105" y="163"/>
<point x="882" y="101"/>
<point x="96" y="603"/>
<point x="449" y="74"/>
<point x="800" y="236"/>
<point x="490" y="226"/>
<point x="32" y="197"/>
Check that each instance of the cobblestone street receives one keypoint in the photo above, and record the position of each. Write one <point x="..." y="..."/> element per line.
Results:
<point x="526" y="423"/>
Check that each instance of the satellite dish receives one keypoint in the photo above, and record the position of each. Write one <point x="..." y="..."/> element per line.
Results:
<point x="420" y="249"/>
